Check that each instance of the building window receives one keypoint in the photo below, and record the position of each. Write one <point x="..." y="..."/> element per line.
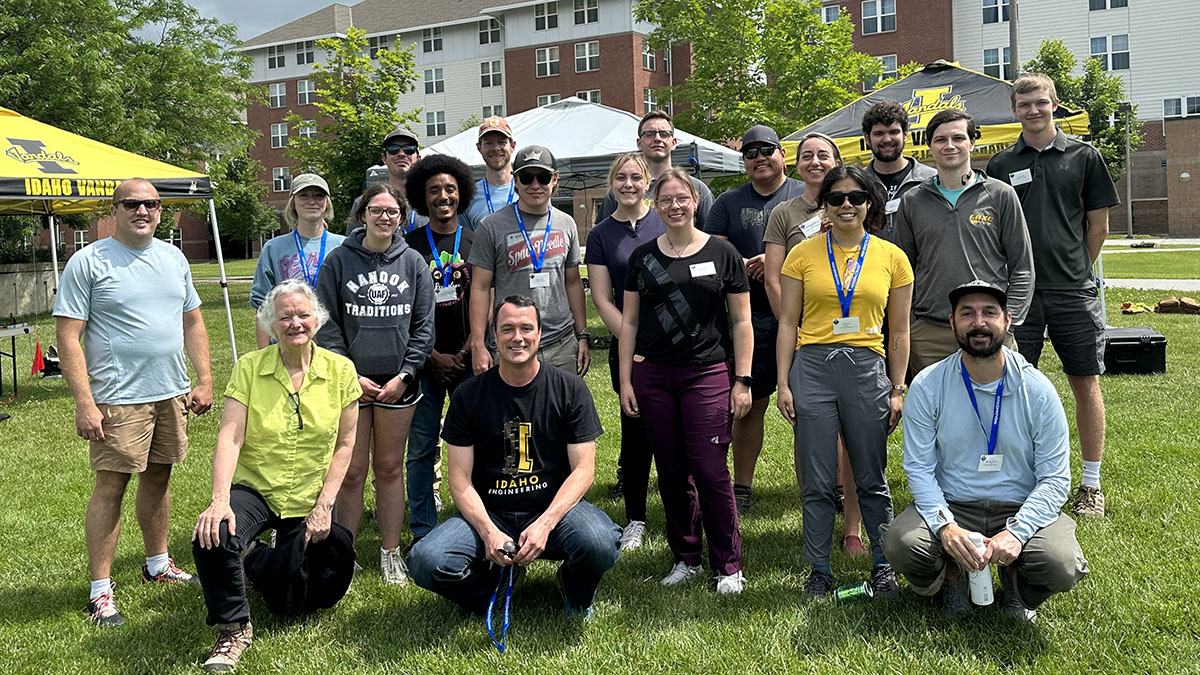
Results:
<point x="489" y="74"/>
<point x="547" y="99"/>
<point x="829" y="14"/>
<point x="586" y="11"/>
<point x="306" y="129"/>
<point x="81" y="239"/>
<point x="435" y="123"/>
<point x="1193" y="105"/>
<point x="994" y="66"/>
<point x="547" y="61"/>
<point x="489" y="31"/>
<point x="377" y="44"/>
<point x="1172" y="107"/>
<point x="545" y="16"/>
<point x="1120" y="51"/>
<point x="587" y="56"/>
<point x="647" y="56"/>
<point x="591" y="95"/>
<point x="305" y="52"/>
<point x="279" y="133"/>
<point x="995" y="11"/>
<point x="434" y="82"/>
<point x="176" y="238"/>
<point x="878" y="16"/>
<point x="493" y="111"/>
<point x="306" y="92"/>
<point x="649" y="101"/>
<point x="281" y="179"/>
<point x="1097" y="5"/>
<point x="275" y="57"/>
<point x="277" y="94"/>
<point x="667" y="61"/>
<point x="889" y="70"/>
<point x="431" y="40"/>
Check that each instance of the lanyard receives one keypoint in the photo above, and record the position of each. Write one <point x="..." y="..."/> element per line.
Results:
<point x="312" y="280"/>
<point x="487" y="194"/>
<point x="437" y="257"/>
<point x="845" y="297"/>
<point x="412" y="222"/>
<point x="534" y="259"/>
<point x="995" y="411"/>
<point x="500" y="644"/>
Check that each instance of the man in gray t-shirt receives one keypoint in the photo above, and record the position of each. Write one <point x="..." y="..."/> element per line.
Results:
<point x="531" y="249"/>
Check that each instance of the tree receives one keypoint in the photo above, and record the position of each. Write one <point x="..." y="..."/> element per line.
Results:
<point x="1097" y="92"/>
<point x="238" y="197"/>
<point x="767" y="62"/>
<point x="357" y="102"/>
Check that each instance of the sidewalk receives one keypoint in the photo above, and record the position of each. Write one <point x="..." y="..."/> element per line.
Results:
<point x="1155" y="284"/>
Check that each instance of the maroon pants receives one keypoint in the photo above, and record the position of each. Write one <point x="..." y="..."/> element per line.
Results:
<point x="686" y="410"/>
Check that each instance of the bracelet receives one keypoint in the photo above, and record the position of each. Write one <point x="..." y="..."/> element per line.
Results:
<point x="901" y="388"/>
<point x="583" y="335"/>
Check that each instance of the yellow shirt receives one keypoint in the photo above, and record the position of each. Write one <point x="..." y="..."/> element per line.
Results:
<point x="284" y="463"/>
<point x="885" y="267"/>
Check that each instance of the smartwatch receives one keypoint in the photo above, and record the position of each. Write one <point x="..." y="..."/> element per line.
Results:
<point x="744" y="379"/>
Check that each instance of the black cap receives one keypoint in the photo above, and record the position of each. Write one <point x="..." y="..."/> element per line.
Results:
<point x="760" y="133"/>
<point x="534" y="157"/>
<point x="978" y="286"/>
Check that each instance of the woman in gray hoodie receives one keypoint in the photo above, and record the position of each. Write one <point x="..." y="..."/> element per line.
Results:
<point x="380" y="299"/>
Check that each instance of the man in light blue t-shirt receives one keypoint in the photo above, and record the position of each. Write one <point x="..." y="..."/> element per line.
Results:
<point x="131" y="300"/>
<point x="496" y="190"/>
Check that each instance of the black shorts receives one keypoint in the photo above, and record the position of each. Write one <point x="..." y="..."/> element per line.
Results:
<point x="410" y="397"/>
<point x="763" y="368"/>
<point x="1075" y="322"/>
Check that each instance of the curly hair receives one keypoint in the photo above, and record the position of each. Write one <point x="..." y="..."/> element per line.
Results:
<point x="885" y="113"/>
<point x="428" y="167"/>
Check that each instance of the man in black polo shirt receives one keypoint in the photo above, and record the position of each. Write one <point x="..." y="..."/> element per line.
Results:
<point x="1065" y="192"/>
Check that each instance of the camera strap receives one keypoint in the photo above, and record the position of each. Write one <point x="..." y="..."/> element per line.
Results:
<point x="508" y="571"/>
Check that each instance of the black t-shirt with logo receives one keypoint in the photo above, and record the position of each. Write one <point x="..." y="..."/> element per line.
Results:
<point x="891" y="181"/>
<point x="520" y="435"/>
<point x="451" y="319"/>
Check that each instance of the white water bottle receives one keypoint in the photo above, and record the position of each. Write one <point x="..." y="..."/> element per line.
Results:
<point x="981" y="580"/>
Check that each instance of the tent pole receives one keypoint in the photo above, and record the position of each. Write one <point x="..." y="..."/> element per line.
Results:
<point x="53" y="252"/>
<point x="212" y="214"/>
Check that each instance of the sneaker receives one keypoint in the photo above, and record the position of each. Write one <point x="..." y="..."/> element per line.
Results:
<point x="231" y="642"/>
<point x="357" y="568"/>
<point x="1088" y="501"/>
<point x="1010" y="603"/>
<point x="103" y="610"/>
<point x="743" y="498"/>
<point x="437" y="501"/>
<point x="956" y="601"/>
<point x="839" y="499"/>
<point x="631" y="536"/>
<point x="569" y="610"/>
<point x="680" y="573"/>
<point x="854" y="546"/>
<point x="819" y="584"/>
<point x="618" y="489"/>
<point x="730" y="584"/>
<point x="391" y="564"/>
<point x="883" y="582"/>
<point x="170" y="575"/>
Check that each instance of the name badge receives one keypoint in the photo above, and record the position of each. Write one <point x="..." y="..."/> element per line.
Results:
<point x="704" y="269"/>
<point x="539" y="280"/>
<point x="811" y="227"/>
<point x="1020" y="177"/>
<point x="991" y="462"/>
<point x="444" y="293"/>
<point x="892" y="205"/>
<point x="844" y="325"/>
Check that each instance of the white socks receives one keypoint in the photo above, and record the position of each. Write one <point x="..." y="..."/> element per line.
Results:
<point x="157" y="563"/>
<point x="1091" y="474"/>
<point x="100" y="587"/>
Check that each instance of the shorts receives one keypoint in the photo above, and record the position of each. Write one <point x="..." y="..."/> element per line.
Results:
<point x="140" y="433"/>
<point x="930" y="342"/>
<point x="410" y="397"/>
<point x="1075" y="322"/>
<point x="763" y="368"/>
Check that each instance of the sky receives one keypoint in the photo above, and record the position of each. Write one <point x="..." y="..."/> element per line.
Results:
<point x="259" y="16"/>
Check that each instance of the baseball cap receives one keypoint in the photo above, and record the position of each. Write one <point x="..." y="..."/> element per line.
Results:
<point x="760" y="133"/>
<point x="494" y="124"/>
<point x="399" y="132"/>
<point x="534" y="157"/>
<point x="309" y="180"/>
<point x="978" y="286"/>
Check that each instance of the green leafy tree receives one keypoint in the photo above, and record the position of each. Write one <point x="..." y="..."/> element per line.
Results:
<point x="767" y="62"/>
<point x="1096" y="91"/>
<point x="469" y="123"/>
<point x="356" y="98"/>
<point x="238" y="197"/>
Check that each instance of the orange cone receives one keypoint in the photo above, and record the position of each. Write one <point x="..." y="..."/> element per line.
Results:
<point x="38" y="364"/>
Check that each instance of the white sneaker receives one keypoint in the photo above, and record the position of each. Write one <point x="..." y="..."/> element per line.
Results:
<point x="680" y="573"/>
<point x="631" y="536"/>
<point x="391" y="564"/>
<point x="730" y="584"/>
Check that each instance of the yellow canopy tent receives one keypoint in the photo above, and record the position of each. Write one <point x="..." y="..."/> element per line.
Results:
<point x="46" y="171"/>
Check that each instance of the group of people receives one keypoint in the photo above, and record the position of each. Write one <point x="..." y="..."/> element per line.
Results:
<point x="834" y="292"/>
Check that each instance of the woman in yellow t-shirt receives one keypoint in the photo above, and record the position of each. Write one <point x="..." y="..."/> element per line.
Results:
<point x="835" y="290"/>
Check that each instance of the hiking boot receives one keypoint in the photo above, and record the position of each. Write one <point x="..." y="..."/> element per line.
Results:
<point x="819" y="584"/>
<point x="680" y="573"/>
<point x="743" y="498"/>
<point x="103" y="611"/>
<point x="618" y="489"/>
<point x="232" y="640"/>
<point x="631" y="536"/>
<point x="1088" y="501"/>
<point x="391" y="565"/>
<point x="883" y="582"/>
<point x="956" y="601"/>
<point x="1010" y="603"/>
<point x="170" y="575"/>
<point x="730" y="584"/>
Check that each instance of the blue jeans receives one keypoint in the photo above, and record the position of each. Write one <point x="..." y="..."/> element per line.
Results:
<point x="423" y="449"/>
<point x="451" y="562"/>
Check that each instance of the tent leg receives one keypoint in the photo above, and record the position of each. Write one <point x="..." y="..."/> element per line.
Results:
<point x="53" y="252"/>
<point x="212" y="213"/>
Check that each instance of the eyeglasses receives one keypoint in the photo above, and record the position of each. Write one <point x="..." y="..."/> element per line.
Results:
<point x="132" y="205"/>
<point x="856" y="197"/>
<point x="294" y="399"/>
<point x="668" y="202"/>
<point x="542" y="177"/>
<point x="378" y="211"/>
<point x="651" y="134"/>
<point x="765" y="151"/>
<point x="408" y="148"/>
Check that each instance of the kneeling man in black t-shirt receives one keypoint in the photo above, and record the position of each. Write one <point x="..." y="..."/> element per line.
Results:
<point x="521" y="454"/>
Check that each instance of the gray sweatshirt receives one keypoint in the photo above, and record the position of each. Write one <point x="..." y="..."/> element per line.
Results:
<point x="982" y="237"/>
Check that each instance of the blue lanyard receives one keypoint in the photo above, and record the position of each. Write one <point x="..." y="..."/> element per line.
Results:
<point x="534" y="259"/>
<point x="500" y="644"/>
<point x="312" y="280"/>
<point x="995" y="411"/>
<point x="412" y="222"/>
<point x="487" y="194"/>
<point x="845" y="297"/>
<point x="437" y="257"/>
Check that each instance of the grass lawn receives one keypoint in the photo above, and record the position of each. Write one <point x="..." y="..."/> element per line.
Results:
<point x="233" y="268"/>
<point x="1153" y="264"/>
<point x="1137" y="612"/>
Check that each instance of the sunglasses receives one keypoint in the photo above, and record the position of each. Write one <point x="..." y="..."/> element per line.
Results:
<point x="765" y="151"/>
<point x="856" y="197"/>
<point x="132" y="205"/>
<point x="542" y="177"/>
<point x="409" y="149"/>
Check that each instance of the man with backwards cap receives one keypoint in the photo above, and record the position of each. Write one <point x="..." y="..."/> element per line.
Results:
<point x="531" y="248"/>
<point x="400" y="151"/>
<point x="985" y="450"/>
<point x="497" y="189"/>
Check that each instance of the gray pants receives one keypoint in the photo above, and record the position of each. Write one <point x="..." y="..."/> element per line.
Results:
<point x="838" y="387"/>
<point x="1050" y="562"/>
<point x="563" y="354"/>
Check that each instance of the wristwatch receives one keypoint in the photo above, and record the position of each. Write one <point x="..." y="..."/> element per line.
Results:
<point x="406" y="378"/>
<point x="744" y="379"/>
<point x="900" y="388"/>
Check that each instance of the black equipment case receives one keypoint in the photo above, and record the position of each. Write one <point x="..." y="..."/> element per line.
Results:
<point x="1138" y="351"/>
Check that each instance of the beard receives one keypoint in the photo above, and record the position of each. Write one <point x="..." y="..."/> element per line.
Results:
<point x="887" y="155"/>
<point x="994" y="344"/>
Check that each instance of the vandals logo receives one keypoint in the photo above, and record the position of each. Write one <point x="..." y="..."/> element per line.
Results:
<point x="29" y="151"/>
<point x="925" y="103"/>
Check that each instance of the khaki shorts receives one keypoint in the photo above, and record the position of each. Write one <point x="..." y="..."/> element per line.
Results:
<point x="135" y="435"/>
<point x="929" y="343"/>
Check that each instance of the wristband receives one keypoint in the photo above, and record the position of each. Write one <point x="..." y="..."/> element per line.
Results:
<point x="583" y="335"/>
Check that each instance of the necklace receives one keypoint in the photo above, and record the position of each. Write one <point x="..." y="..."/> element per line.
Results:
<point x="678" y="252"/>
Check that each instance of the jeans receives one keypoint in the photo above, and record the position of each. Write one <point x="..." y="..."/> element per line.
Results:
<point x="423" y="449"/>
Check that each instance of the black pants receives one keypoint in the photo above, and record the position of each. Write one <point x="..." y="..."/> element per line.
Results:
<point x="633" y="464"/>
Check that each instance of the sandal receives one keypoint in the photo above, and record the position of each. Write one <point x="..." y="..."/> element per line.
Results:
<point x="854" y="546"/>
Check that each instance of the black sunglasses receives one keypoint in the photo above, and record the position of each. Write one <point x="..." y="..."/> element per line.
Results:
<point x="542" y="177"/>
<point x="856" y="197"/>
<point x="765" y="151"/>
<point x="132" y="205"/>
<point x="409" y="149"/>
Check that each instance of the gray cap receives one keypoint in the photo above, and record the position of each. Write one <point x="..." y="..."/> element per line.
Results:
<point x="309" y="180"/>
<point x="534" y="157"/>
<point x="399" y="132"/>
<point x="760" y="133"/>
<point x="978" y="286"/>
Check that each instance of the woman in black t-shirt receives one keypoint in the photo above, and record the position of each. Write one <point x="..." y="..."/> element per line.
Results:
<point x="686" y="295"/>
